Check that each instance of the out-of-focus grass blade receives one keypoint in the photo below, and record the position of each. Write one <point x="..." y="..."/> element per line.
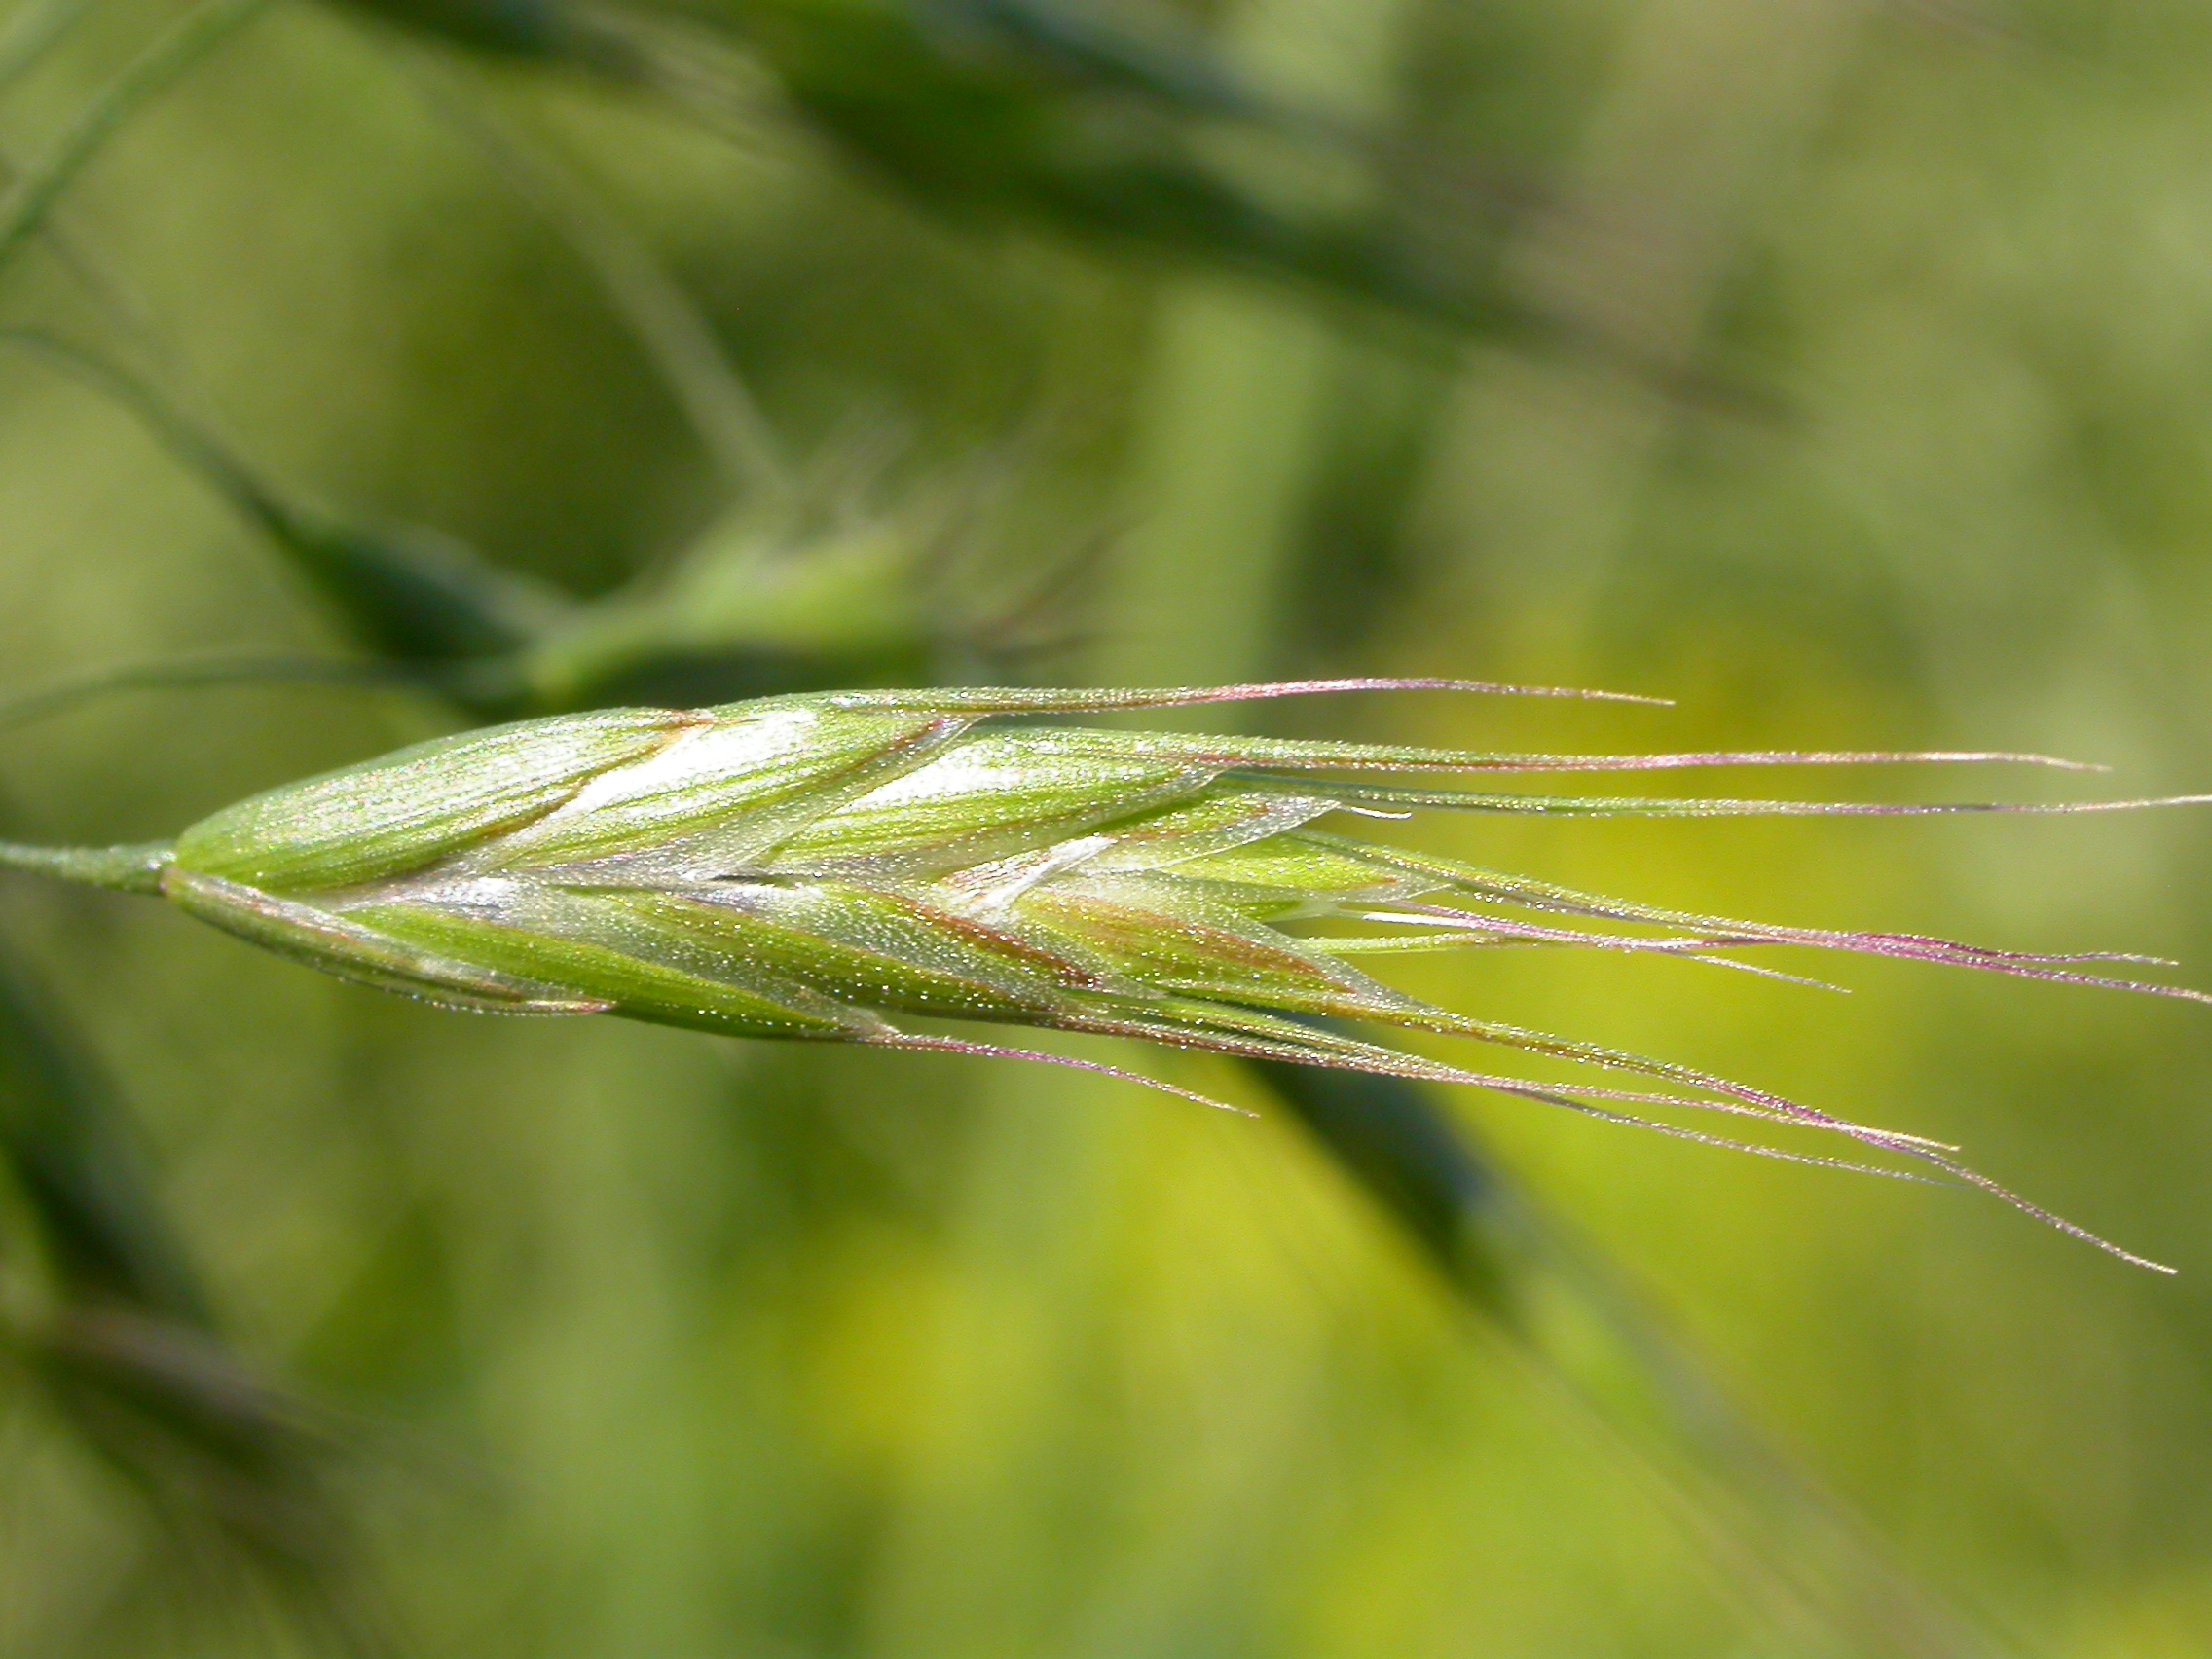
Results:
<point x="208" y="671"/>
<point x="408" y="592"/>
<point x="25" y="204"/>
<point x="1805" y="1557"/>
<point x="679" y="342"/>
<point x="125" y="1349"/>
<point x="1026" y="109"/>
<point x="784" y="595"/>
<point x="220" y="1458"/>
<point x="32" y="31"/>
<point x="66" y="1139"/>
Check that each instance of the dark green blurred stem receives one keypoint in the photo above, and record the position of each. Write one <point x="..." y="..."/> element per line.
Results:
<point x="1009" y="110"/>
<point x="69" y="1144"/>
<point x="442" y="616"/>
<point x="209" y="672"/>
<point x="23" y="208"/>
<point x="1809" y="1562"/>
<point x="408" y="592"/>
<point x="32" y="32"/>
<point x="675" y="337"/>
<point x="125" y="1348"/>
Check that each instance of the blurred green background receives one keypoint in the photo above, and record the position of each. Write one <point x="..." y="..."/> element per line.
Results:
<point x="1843" y="372"/>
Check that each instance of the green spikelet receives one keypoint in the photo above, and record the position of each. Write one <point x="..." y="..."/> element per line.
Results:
<point x="827" y="867"/>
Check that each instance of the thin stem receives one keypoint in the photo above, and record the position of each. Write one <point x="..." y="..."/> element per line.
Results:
<point x="135" y="868"/>
<point x="662" y="318"/>
<point x="23" y="208"/>
<point x="28" y="37"/>
<point x="411" y="594"/>
<point x="32" y="31"/>
<point x="183" y="436"/>
<point x="212" y="672"/>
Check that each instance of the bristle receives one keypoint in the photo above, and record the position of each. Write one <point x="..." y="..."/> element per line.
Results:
<point x="1727" y="933"/>
<point x="1649" y="806"/>
<point x="1040" y="700"/>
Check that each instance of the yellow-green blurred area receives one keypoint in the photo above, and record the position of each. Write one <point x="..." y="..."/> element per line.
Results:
<point x="1851" y="386"/>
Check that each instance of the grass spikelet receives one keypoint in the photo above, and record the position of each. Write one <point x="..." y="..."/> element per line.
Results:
<point x="820" y="867"/>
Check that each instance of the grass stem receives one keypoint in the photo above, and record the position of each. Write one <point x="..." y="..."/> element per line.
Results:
<point x="135" y="868"/>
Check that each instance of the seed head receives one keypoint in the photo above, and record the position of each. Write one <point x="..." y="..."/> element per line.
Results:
<point x="828" y="866"/>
